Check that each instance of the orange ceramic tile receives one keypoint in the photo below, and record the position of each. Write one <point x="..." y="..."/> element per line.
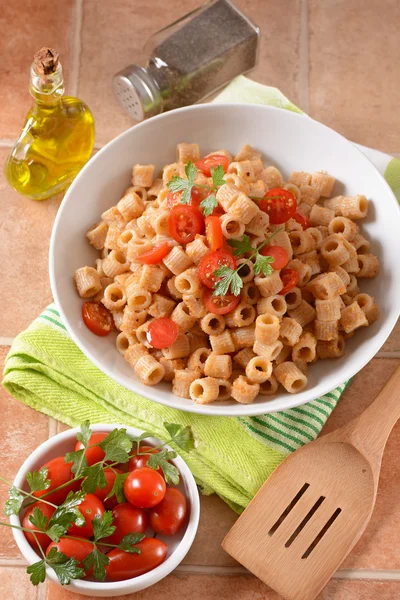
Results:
<point x="15" y="584"/>
<point x="26" y="26"/>
<point x="23" y="429"/>
<point x="24" y="245"/>
<point x="361" y="590"/>
<point x="113" y="37"/>
<point x="354" y="83"/>
<point x="392" y="344"/>
<point x="379" y="547"/>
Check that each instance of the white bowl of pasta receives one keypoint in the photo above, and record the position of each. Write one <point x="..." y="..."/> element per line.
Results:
<point x="297" y="264"/>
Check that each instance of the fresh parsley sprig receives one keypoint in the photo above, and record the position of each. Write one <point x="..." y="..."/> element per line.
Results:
<point x="230" y="278"/>
<point x="180" y="184"/>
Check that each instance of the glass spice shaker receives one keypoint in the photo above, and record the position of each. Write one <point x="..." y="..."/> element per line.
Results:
<point x="188" y="60"/>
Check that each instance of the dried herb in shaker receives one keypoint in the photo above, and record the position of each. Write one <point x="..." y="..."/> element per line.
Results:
<point x="188" y="60"/>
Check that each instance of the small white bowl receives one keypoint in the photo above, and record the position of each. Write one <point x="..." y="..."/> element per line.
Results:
<point x="178" y="545"/>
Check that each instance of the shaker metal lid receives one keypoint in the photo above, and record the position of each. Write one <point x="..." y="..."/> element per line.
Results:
<point x="137" y="93"/>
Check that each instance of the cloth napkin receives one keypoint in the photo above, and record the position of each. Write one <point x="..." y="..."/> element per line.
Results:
<point x="233" y="456"/>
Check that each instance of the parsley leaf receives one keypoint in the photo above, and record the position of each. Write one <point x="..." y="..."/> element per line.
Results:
<point x="181" y="436"/>
<point x="142" y="436"/>
<point x="230" y="279"/>
<point x="37" y="480"/>
<point x="117" y="446"/>
<point x="217" y="174"/>
<point x="95" y="478"/>
<point x="37" y="572"/>
<point x="161" y="459"/>
<point x="241" y="246"/>
<point x="179" y="184"/>
<point x="56" y="531"/>
<point x="38" y="519"/>
<point x="98" y="560"/>
<point x="84" y="435"/>
<point x="68" y="513"/>
<point x="208" y="204"/>
<point x="79" y="461"/>
<point x="65" y="568"/>
<point x="14" y="503"/>
<point x="128" y="541"/>
<point x="118" y="488"/>
<point x="263" y="265"/>
<point x="102" y="526"/>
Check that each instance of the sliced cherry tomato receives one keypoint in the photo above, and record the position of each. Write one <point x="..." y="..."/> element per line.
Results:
<point x="102" y="493"/>
<point x="220" y="305"/>
<point x="279" y="254"/>
<point x="97" y="318"/>
<point x="174" y="198"/>
<point x="279" y="204"/>
<point x="162" y="333"/>
<point x="77" y="549"/>
<point x="124" y="565"/>
<point x="290" y="278"/>
<point x="42" y="538"/>
<point x="59" y="472"/>
<point x="214" y="234"/>
<point x="169" y="516"/>
<point x="144" y="488"/>
<point x="127" y="519"/>
<point x="302" y="219"/>
<point x="137" y="462"/>
<point x="210" y="263"/>
<point x="93" y="453"/>
<point x="155" y="255"/>
<point x="90" y="507"/>
<point x="184" y="222"/>
<point x="206" y="163"/>
<point x="218" y="211"/>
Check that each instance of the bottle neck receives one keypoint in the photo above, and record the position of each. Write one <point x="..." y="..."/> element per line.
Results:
<point x="47" y="90"/>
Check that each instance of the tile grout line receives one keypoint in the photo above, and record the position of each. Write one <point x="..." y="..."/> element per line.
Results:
<point x="303" y="78"/>
<point x="52" y="427"/>
<point x="76" y="49"/>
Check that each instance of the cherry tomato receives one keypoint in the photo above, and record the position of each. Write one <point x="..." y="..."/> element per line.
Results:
<point x="138" y="462"/>
<point x="214" y="235"/>
<point x="213" y="160"/>
<point x="90" y="507"/>
<point x="279" y="254"/>
<point x="144" y="487"/>
<point x="77" y="549"/>
<point x="279" y="204"/>
<point x="155" y="255"/>
<point x="196" y="196"/>
<point x="59" y="472"/>
<point x="169" y="516"/>
<point x="124" y="565"/>
<point x="184" y="222"/>
<point x="289" y="277"/>
<point x="302" y="219"/>
<point x="94" y="454"/>
<point x="43" y="539"/>
<point x="102" y="493"/>
<point x="127" y="519"/>
<point x="97" y="318"/>
<point x="162" y="332"/>
<point x="220" y="305"/>
<point x="210" y="263"/>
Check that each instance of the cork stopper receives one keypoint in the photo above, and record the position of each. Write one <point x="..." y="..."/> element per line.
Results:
<point x="46" y="61"/>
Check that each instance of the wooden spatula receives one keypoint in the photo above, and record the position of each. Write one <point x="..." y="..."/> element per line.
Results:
<point x="313" y="509"/>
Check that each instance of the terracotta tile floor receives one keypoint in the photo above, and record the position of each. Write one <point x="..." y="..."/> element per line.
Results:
<point x="331" y="59"/>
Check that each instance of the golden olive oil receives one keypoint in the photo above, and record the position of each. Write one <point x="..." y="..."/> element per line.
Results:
<point x="57" y="138"/>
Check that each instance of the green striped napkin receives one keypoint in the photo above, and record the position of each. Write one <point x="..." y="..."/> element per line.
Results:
<point x="232" y="457"/>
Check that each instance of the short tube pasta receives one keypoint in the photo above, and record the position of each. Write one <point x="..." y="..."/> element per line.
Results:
<point x="290" y="376"/>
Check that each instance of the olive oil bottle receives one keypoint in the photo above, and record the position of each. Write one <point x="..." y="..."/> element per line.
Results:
<point x="57" y="138"/>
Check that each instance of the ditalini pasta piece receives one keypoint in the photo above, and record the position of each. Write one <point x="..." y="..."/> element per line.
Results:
<point x="97" y="235"/>
<point x="368" y="265"/>
<point x="204" y="390"/>
<point x="353" y="207"/>
<point x="269" y="387"/>
<point x="290" y="376"/>
<point x="305" y="349"/>
<point x="258" y="369"/>
<point x="197" y="359"/>
<point x="368" y="306"/>
<point x="269" y="286"/>
<point x="149" y="370"/>
<point x="243" y="391"/>
<point x="182" y="381"/>
<point x="186" y="152"/>
<point x="267" y="329"/>
<point x="327" y="286"/>
<point x="331" y="349"/>
<point x="87" y="282"/>
<point x="290" y="331"/>
<point x="353" y="317"/>
<point x="218" y="365"/>
<point x="303" y="314"/>
<point x="142" y="175"/>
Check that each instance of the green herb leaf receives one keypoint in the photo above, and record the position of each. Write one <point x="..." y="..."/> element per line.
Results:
<point x="102" y="526"/>
<point x="118" y="487"/>
<point x="217" y="174"/>
<point x="229" y="279"/>
<point x="139" y="438"/>
<point x="37" y="480"/>
<point x="64" y="567"/>
<point x="98" y="560"/>
<point x="95" y="478"/>
<point x="117" y="446"/>
<point x="38" y="519"/>
<point x="208" y="204"/>
<point x="56" y="531"/>
<point x="241" y="246"/>
<point x="68" y="513"/>
<point x="181" y="436"/>
<point x="179" y="184"/>
<point x="37" y="572"/>
<point x="263" y="265"/>
<point x="79" y="461"/>
<point x="161" y="459"/>
<point x="14" y="503"/>
<point x="128" y="541"/>
<point x="84" y="434"/>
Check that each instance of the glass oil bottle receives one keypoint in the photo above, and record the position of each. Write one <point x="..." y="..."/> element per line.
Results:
<point x="57" y="138"/>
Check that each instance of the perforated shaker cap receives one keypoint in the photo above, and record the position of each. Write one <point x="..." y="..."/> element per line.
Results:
<point x="137" y="93"/>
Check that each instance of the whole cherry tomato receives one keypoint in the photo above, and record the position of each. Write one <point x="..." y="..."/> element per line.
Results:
<point x="102" y="493"/>
<point x="290" y="278"/>
<point x="124" y="565"/>
<point x="144" y="488"/>
<point x="137" y="462"/>
<point x="210" y="263"/>
<point x="59" y="472"/>
<point x="43" y="539"/>
<point x="127" y="519"/>
<point x="162" y="332"/>
<point x="90" y="508"/>
<point x="97" y="318"/>
<point x="279" y="204"/>
<point x="169" y="516"/>
<point x="220" y="305"/>
<point x="279" y="254"/>
<point x="78" y="549"/>
<point x="94" y="454"/>
<point x="206" y="163"/>
<point x="184" y="223"/>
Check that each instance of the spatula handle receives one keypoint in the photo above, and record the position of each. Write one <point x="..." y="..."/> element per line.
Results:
<point x="370" y="431"/>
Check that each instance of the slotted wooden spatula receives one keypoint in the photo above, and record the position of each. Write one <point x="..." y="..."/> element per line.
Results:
<point x="313" y="509"/>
